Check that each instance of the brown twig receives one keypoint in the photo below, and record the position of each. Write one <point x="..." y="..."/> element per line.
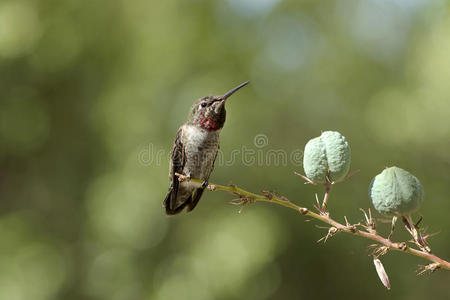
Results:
<point x="369" y="231"/>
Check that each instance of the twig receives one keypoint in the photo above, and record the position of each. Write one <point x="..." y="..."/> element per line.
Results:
<point x="371" y="234"/>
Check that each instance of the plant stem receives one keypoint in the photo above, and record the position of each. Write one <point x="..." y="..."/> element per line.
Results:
<point x="351" y="229"/>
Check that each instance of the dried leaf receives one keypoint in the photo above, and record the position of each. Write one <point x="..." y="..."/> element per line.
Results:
<point x="381" y="273"/>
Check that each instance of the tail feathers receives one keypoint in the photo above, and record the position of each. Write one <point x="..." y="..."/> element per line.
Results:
<point x="178" y="209"/>
<point x="196" y="197"/>
<point x="174" y="207"/>
<point x="170" y="203"/>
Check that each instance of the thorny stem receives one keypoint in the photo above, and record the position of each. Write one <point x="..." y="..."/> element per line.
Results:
<point x="351" y="229"/>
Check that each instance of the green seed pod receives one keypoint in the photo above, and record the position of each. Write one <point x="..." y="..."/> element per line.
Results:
<point x="396" y="192"/>
<point x="328" y="152"/>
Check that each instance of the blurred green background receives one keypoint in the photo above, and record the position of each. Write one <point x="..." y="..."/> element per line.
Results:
<point x="92" y="93"/>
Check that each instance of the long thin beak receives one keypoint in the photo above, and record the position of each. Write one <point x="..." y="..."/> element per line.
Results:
<point x="231" y="92"/>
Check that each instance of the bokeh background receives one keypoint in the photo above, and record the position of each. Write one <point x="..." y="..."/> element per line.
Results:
<point x="91" y="96"/>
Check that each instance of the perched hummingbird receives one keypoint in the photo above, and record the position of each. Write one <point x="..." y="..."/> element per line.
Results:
<point x="194" y="151"/>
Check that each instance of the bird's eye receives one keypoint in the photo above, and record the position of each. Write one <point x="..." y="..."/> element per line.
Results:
<point x="203" y="104"/>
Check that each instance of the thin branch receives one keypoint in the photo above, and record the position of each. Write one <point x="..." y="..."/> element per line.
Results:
<point x="371" y="234"/>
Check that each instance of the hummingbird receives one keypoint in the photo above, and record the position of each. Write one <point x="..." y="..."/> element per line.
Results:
<point x="195" y="150"/>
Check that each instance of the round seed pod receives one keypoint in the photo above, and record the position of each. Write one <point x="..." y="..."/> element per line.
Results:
<point x="396" y="192"/>
<point x="329" y="152"/>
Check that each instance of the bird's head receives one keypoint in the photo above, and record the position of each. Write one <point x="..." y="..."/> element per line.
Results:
<point x="209" y="112"/>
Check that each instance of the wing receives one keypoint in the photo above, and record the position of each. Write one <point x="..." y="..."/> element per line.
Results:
<point x="199" y="192"/>
<point x="178" y="159"/>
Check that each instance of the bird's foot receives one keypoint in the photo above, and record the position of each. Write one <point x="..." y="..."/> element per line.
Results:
<point x="182" y="177"/>
<point x="204" y="184"/>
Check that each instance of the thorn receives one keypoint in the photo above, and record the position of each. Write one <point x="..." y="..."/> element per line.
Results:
<point x="317" y="205"/>
<point x="347" y="177"/>
<point x="308" y="181"/>
<point x="428" y="268"/>
<point x="371" y="228"/>
<point x="350" y="227"/>
<point x="418" y="240"/>
<point x="378" y="250"/>
<point x="394" y="220"/>
<point x="236" y="201"/>
<point x="346" y="221"/>
<point x="241" y="201"/>
<point x="331" y="232"/>
<point x="352" y="174"/>
<point x="365" y="215"/>
<point x="427" y="236"/>
<point x="322" y="211"/>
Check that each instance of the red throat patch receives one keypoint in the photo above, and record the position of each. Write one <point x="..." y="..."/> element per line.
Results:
<point x="209" y="125"/>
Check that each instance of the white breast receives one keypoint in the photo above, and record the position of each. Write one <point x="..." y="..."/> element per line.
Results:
<point x="194" y="135"/>
<point x="200" y="149"/>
